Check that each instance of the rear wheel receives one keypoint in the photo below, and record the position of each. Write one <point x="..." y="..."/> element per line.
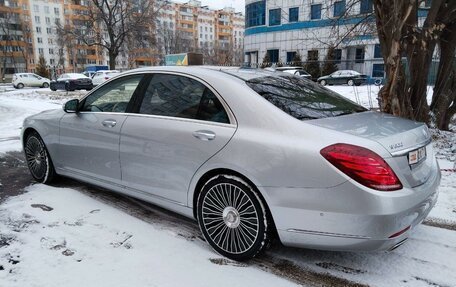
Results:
<point x="38" y="159"/>
<point x="232" y="218"/>
<point x="323" y="82"/>
<point x="45" y="85"/>
<point x="350" y="82"/>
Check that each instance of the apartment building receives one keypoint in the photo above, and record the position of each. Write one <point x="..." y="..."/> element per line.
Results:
<point x="283" y="28"/>
<point x="31" y="31"/>
<point x="199" y="28"/>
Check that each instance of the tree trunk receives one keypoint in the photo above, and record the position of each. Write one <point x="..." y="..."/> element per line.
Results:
<point x="112" y="59"/>
<point x="443" y="103"/>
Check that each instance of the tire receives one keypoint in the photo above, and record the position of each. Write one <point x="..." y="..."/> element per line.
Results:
<point x="20" y="86"/>
<point x="53" y="89"/>
<point x="323" y="82"/>
<point x="38" y="160"/>
<point x="232" y="218"/>
<point x="350" y="82"/>
<point x="45" y="85"/>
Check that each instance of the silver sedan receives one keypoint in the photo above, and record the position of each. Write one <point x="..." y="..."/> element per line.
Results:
<point x="249" y="154"/>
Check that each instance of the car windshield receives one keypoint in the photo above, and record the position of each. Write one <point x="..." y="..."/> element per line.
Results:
<point x="301" y="98"/>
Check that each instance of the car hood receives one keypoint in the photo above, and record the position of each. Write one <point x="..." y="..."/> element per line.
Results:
<point x="393" y="133"/>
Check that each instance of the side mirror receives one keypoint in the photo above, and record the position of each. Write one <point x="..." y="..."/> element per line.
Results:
<point x="71" y="106"/>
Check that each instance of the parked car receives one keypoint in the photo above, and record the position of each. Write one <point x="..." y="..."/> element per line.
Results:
<point x="89" y="74"/>
<point x="248" y="154"/>
<point x="21" y="80"/>
<point x="71" y="82"/>
<point x="342" y="77"/>
<point x="102" y="76"/>
<point x="298" y="71"/>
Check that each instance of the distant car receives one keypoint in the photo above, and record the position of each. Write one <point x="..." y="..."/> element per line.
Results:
<point x="298" y="72"/>
<point x="342" y="77"/>
<point x="71" y="82"/>
<point x="21" y="80"/>
<point x="89" y="74"/>
<point x="102" y="76"/>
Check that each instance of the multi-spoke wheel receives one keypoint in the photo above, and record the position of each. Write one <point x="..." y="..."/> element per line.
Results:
<point x="38" y="160"/>
<point x="232" y="218"/>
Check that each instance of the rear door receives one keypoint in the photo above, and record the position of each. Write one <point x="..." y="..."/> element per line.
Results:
<point x="89" y="139"/>
<point x="180" y="124"/>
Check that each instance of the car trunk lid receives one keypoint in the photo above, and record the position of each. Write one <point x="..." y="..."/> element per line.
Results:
<point x="407" y="141"/>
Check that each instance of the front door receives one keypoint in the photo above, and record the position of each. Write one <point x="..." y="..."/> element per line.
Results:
<point x="89" y="139"/>
<point x="181" y="124"/>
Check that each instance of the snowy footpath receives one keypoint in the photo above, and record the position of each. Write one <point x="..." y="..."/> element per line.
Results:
<point x="71" y="234"/>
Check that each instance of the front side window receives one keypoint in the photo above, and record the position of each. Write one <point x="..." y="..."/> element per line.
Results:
<point x="274" y="17"/>
<point x="302" y="99"/>
<point x="113" y="97"/>
<point x="182" y="97"/>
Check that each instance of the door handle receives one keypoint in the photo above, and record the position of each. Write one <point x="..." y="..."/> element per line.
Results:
<point x="204" y="135"/>
<point x="109" y="123"/>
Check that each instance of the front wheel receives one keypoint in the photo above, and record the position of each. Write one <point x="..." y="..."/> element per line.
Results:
<point x="323" y="82"/>
<point x="38" y="159"/>
<point x="350" y="82"/>
<point x="45" y="85"/>
<point x="232" y="218"/>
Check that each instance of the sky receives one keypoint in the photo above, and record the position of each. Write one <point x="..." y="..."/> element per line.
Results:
<point x="238" y="5"/>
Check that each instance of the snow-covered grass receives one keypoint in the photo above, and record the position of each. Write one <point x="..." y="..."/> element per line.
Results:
<point x="85" y="242"/>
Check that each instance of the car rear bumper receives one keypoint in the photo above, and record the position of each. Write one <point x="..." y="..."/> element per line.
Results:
<point x="349" y="217"/>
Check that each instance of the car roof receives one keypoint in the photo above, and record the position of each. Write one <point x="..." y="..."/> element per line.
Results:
<point x="243" y="74"/>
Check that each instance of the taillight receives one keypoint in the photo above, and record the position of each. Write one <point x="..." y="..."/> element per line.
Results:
<point x="362" y="165"/>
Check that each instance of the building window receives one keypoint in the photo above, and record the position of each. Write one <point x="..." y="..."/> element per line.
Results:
<point x="337" y="56"/>
<point x="378" y="70"/>
<point x="366" y="7"/>
<point x="293" y="15"/>
<point x="290" y="56"/>
<point x="37" y="19"/>
<point x="39" y="40"/>
<point x="312" y="55"/>
<point x="359" y="56"/>
<point x="377" y="51"/>
<point x="40" y="51"/>
<point x="56" y="11"/>
<point x="315" y="11"/>
<point x="38" y="30"/>
<point x="339" y="8"/>
<point x="273" y="55"/>
<point x="427" y="3"/>
<point x="46" y="9"/>
<point x="255" y="14"/>
<point x="274" y="17"/>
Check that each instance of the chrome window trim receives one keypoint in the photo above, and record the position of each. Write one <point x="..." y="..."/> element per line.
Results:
<point x="165" y="118"/>
<point x="229" y="112"/>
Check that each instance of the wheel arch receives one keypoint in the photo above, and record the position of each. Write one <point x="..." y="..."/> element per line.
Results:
<point x="226" y="171"/>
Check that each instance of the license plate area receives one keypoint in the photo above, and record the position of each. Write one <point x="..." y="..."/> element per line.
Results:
<point x="417" y="156"/>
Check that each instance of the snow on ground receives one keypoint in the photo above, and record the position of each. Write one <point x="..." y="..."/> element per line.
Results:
<point x="83" y="242"/>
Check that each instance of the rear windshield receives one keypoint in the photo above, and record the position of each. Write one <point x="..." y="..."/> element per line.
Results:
<point x="301" y="98"/>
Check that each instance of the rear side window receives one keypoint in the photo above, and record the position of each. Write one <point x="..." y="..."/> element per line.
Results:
<point x="182" y="97"/>
<point x="302" y="99"/>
